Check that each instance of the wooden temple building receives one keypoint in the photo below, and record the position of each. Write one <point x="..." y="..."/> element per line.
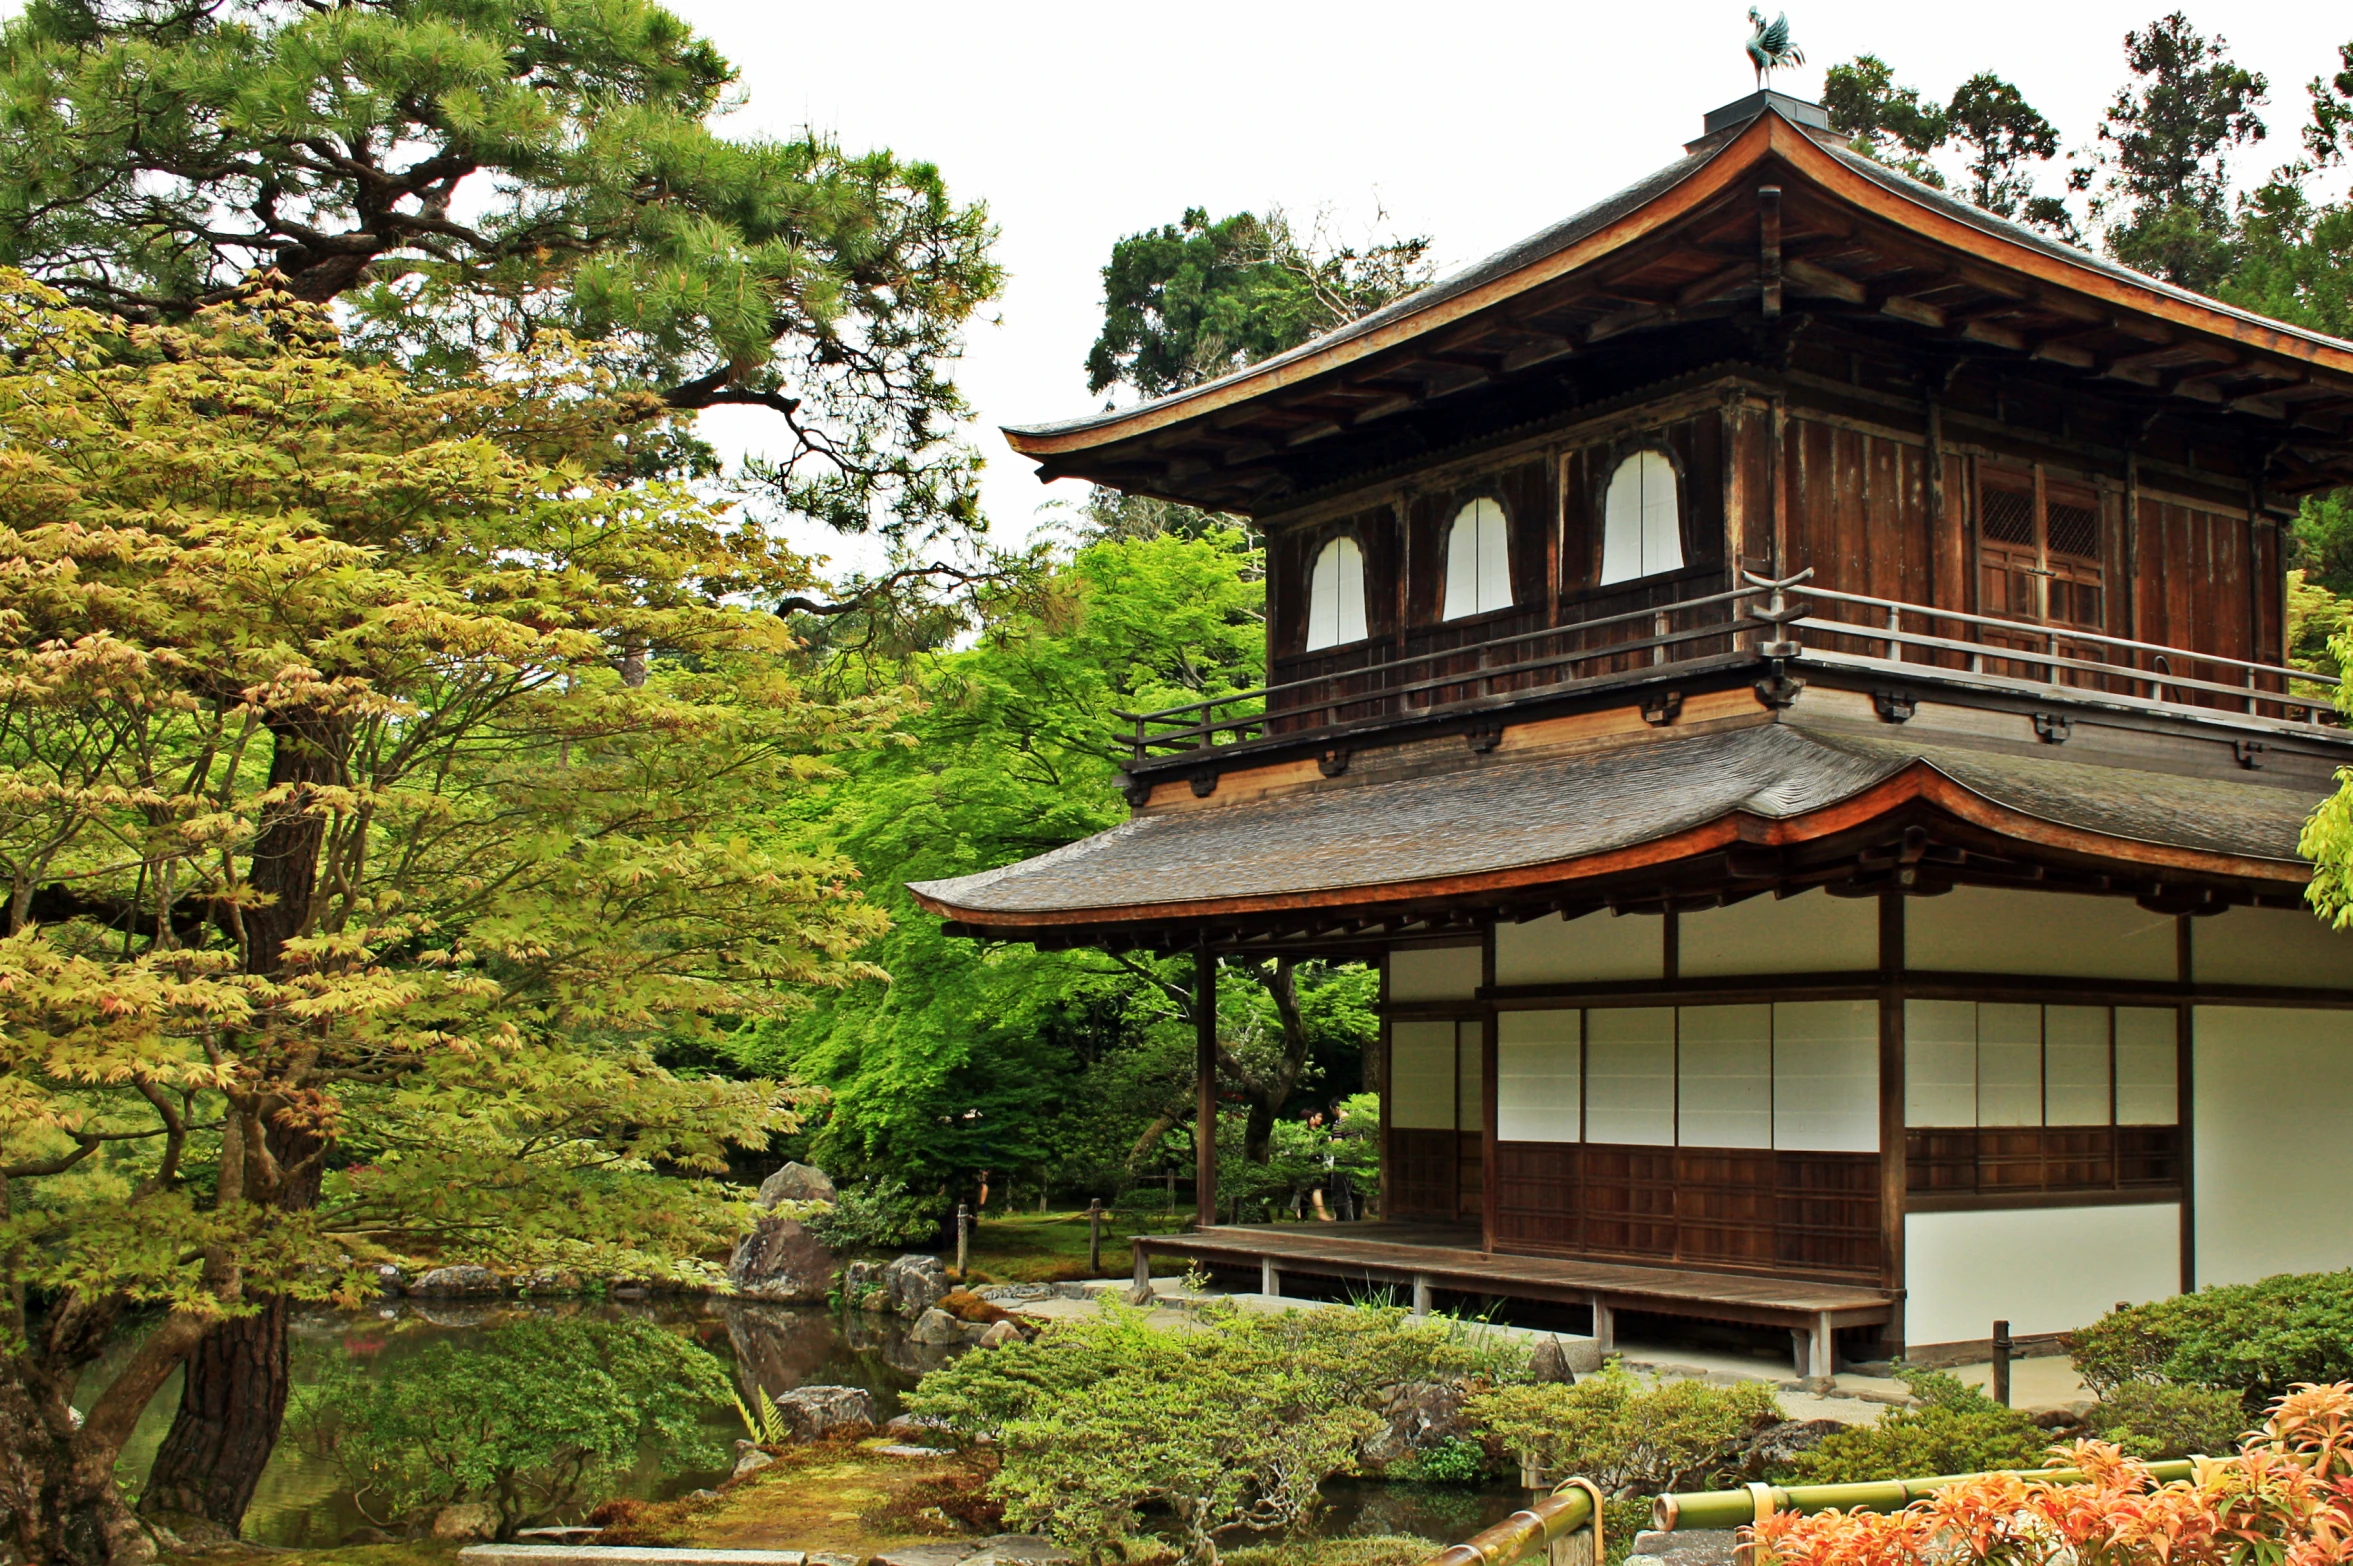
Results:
<point x="1785" y="672"/>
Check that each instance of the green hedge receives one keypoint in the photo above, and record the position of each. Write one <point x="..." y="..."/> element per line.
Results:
<point x="2256" y="1340"/>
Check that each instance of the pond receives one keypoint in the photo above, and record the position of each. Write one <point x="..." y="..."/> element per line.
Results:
<point x="303" y="1501"/>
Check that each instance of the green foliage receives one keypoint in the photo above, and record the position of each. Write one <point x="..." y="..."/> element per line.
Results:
<point x="1996" y="130"/>
<point x="1194" y="300"/>
<point x="2152" y="1421"/>
<point x="471" y="175"/>
<point x="2166" y="146"/>
<point x="876" y="1215"/>
<point x="2256" y="1340"/>
<point x="1229" y="1427"/>
<point x="1452" y="1461"/>
<point x="531" y="1422"/>
<point x="763" y="1422"/>
<point x="1956" y="1429"/>
<point x="1627" y="1437"/>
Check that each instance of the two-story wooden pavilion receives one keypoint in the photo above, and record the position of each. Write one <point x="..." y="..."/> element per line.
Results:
<point x="1784" y="672"/>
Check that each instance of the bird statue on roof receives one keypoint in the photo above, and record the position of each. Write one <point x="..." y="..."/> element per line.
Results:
<point x="1769" y="48"/>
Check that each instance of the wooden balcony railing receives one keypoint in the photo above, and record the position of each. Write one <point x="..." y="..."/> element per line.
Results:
<point x="1761" y="619"/>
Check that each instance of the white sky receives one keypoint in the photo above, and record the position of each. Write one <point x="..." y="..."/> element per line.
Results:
<point x="1475" y="122"/>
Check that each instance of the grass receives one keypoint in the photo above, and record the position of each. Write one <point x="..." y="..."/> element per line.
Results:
<point x="1046" y="1248"/>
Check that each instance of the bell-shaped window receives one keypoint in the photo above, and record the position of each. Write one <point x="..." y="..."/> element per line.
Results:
<point x="1335" y="596"/>
<point x="1478" y="561"/>
<point x="1642" y="532"/>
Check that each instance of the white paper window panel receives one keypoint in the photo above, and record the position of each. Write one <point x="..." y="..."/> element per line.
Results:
<point x="1826" y="1076"/>
<point x="1812" y="932"/>
<point x="2075" y="1066"/>
<point x="2287" y="946"/>
<point x="1538" y="1075"/>
<point x="2009" y="1065"/>
<point x="1724" y="1076"/>
<point x="1599" y="946"/>
<point x="1421" y="1075"/>
<point x="1940" y="1063"/>
<point x="1335" y="596"/>
<point x="1641" y="531"/>
<point x="1630" y="1075"/>
<point x="1470" y="1057"/>
<point x="1976" y="929"/>
<point x="2148" y="1067"/>
<point x="1478" y="561"/>
<point x="1419" y="973"/>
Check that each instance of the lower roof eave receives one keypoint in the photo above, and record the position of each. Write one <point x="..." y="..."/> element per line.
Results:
<point x="1918" y="792"/>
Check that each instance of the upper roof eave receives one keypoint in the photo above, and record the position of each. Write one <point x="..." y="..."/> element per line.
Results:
<point x="1649" y="205"/>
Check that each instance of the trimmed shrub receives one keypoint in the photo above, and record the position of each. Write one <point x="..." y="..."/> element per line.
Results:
<point x="1624" y="1436"/>
<point x="2258" y="1340"/>
<point x="1956" y="1429"/>
<point x="2154" y="1422"/>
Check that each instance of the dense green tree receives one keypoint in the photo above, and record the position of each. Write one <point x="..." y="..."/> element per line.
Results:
<point x="1997" y="132"/>
<point x="353" y="879"/>
<point x="465" y="175"/>
<point x="2166" y="149"/>
<point x="1194" y="300"/>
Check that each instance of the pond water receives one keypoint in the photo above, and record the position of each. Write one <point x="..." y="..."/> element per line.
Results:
<point x="303" y="1501"/>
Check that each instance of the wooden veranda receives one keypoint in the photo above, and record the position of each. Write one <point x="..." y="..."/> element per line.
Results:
<point x="1427" y="1257"/>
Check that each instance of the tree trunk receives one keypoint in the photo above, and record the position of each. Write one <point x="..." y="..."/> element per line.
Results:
<point x="233" y="1398"/>
<point x="231" y="1406"/>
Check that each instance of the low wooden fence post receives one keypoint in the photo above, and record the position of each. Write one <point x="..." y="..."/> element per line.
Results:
<point x="1095" y="1238"/>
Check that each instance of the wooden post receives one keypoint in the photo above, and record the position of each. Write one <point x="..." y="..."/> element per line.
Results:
<point x="1605" y="1326"/>
<point x="2002" y="1347"/>
<point x="1095" y="1238"/>
<point x="1270" y="1279"/>
<point x="1421" y="1294"/>
<point x="1205" y="1085"/>
<point x="963" y="1238"/>
<point x="1894" y="1170"/>
<point x="1769" y="250"/>
<point x="1143" y="1267"/>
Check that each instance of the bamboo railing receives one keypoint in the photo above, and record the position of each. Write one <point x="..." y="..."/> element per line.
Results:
<point x="1565" y="1526"/>
<point x="1742" y="1507"/>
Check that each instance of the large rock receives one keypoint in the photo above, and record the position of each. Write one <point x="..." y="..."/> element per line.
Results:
<point x="468" y="1522"/>
<point x="999" y="1334"/>
<point x="864" y="1286"/>
<point x="1549" y="1363"/>
<point x="1686" y="1547"/>
<point x="457" y="1282"/>
<point x="797" y="1183"/>
<point x="915" y="1284"/>
<point x="936" y="1326"/>
<point x="782" y="1262"/>
<point x="1420" y="1415"/>
<point x="1770" y="1450"/>
<point x="813" y="1413"/>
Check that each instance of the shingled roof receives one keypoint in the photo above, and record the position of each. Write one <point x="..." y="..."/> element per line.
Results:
<point x="1555" y="819"/>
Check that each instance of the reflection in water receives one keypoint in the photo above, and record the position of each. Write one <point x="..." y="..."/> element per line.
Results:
<point x="1365" y="1508"/>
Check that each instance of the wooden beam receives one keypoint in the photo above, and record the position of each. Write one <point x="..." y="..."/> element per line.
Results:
<point x="1917" y="311"/>
<point x="1769" y="249"/>
<point x="1205" y="1084"/>
<point x="1816" y="279"/>
<point x="1719" y="284"/>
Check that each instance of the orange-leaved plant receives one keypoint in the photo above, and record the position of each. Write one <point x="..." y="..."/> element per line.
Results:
<point x="2286" y="1499"/>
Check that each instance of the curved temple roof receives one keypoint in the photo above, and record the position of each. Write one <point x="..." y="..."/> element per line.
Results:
<point x="1503" y="294"/>
<point x="1547" y="820"/>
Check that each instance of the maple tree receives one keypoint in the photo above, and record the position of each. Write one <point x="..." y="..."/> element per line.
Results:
<point x="384" y="778"/>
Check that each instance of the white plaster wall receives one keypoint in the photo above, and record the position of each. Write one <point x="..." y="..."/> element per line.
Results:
<point x="1421" y="1075"/>
<point x="1976" y="929"/>
<point x="2272" y="1139"/>
<point x="1470" y="1056"/>
<point x="1630" y="1075"/>
<point x="1599" y="946"/>
<point x="2270" y="946"/>
<point x="1826" y="1076"/>
<point x="2046" y="1269"/>
<point x="1724" y="1076"/>
<point x="1812" y="932"/>
<point x="1536" y="1075"/>
<point x="1431" y="973"/>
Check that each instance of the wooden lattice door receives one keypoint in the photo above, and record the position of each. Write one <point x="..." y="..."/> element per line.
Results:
<point x="2039" y="562"/>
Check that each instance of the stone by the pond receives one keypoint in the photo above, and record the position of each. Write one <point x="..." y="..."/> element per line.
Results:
<point x="1685" y="1547"/>
<point x="797" y="1183"/>
<point x="465" y="1522"/>
<point x="902" y="1449"/>
<point x="1017" y="1549"/>
<point x="1000" y="1333"/>
<point x="924" y="1555"/>
<point x="622" y="1555"/>
<point x="834" y="1558"/>
<point x="1420" y="1415"/>
<point x="1773" y="1448"/>
<point x="1548" y="1363"/>
<point x="457" y="1282"/>
<point x="915" y="1284"/>
<point x="936" y="1326"/>
<point x="864" y="1286"/>
<point x="812" y="1413"/>
<point x="909" y="1427"/>
<point x="782" y="1262"/>
<point x="749" y="1459"/>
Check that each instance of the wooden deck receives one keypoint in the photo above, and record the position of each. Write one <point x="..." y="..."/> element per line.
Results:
<point x="1435" y="1256"/>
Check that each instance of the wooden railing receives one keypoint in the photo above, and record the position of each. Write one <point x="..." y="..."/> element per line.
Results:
<point x="1761" y="618"/>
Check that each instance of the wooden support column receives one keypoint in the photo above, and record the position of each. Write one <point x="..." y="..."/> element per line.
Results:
<point x="1605" y="1325"/>
<point x="1893" y="1165"/>
<point x="2185" y="1062"/>
<point x="1205" y="1086"/>
<point x="1769" y="250"/>
<point x="1489" y="1187"/>
<point x="1270" y="1277"/>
